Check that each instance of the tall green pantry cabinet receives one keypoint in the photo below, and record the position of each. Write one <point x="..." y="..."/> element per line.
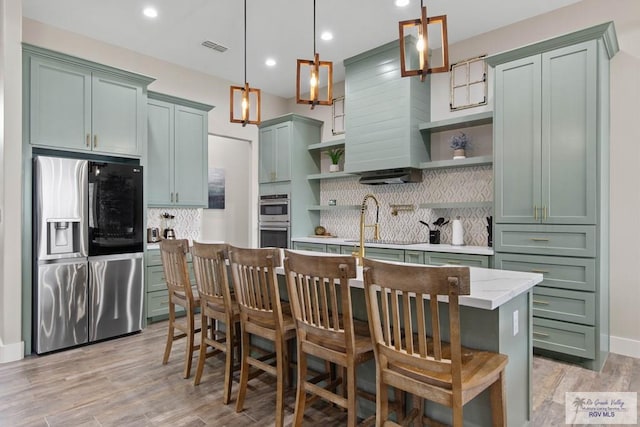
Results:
<point x="551" y="118"/>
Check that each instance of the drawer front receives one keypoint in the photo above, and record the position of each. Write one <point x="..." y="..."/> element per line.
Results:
<point x="566" y="338"/>
<point x="578" y="274"/>
<point x="414" y="257"/>
<point x="377" y="253"/>
<point x="333" y="249"/>
<point x="565" y="240"/>
<point x="438" y="258"/>
<point x="314" y="247"/>
<point x="158" y="304"/>
<point x="568" y="306"/>
<point x="153" y="257"/>
<point x="155" y="279"/>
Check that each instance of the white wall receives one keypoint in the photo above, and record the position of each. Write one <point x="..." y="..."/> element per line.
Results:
<point x="11" y="346"/>
<point x="234" y="223"/>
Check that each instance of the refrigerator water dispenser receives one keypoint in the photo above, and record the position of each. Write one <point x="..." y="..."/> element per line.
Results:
<point x="62" y="236"/>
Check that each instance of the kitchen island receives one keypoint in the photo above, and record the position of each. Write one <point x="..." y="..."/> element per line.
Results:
<point x="496" y="316"/>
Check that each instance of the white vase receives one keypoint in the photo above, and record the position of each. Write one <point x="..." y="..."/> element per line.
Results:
<point x="334" y="168"/>
<point x="457" y="238"/>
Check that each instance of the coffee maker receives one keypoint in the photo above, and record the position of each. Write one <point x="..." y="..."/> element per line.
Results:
<point x="167" y="226"/>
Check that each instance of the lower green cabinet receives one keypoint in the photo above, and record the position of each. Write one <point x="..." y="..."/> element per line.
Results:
<point x="384" y="254"/>
<point x="469" y="260"/>
<point x="564" y="337"/>
<point x="157" y="294"/>
<point x="313" y="247"/>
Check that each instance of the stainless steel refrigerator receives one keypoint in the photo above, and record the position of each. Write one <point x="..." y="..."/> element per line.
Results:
<point x="88" y="251"/>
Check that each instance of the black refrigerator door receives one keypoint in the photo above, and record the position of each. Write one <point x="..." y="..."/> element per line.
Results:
<point x="115" y="209"/>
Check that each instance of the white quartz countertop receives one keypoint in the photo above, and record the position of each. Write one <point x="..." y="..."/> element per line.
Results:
<point x="474" y="250"/>
<point x="490" y="288"/>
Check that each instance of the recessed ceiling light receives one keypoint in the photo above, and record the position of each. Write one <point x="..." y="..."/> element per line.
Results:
<point x="326" y="35"/>
<point x="402" y="3"/>
<point x="270" y="62"/>
<point x="150" y="12"/>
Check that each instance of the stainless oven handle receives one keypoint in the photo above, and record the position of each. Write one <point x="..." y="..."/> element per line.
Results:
<point x="274" y="228"/>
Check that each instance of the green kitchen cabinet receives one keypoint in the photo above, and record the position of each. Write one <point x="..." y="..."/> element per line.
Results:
<point x="77" y="105"/>
<point x="285" y="161"/>
<point x="275" y="153"/>
<point x="546" y="137"/>
<point x="156" y="292"/>
<point x="385" y="254"/>
<point x="177" y="152"/>
<point x="414" y="257"/>
<point x="551" y="165"/>
<point x="469" y="260"/>
<point x="312" y="247"/>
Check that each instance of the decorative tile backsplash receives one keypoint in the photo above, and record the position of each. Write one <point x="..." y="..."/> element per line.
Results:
<point x="187" y="222"/>
<point x="472" y="184"/>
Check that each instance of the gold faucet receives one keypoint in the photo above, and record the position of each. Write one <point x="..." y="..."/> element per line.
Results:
<point x="376" y="227"/>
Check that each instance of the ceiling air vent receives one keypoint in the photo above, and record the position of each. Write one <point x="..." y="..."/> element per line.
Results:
<point x="215" y="46"/>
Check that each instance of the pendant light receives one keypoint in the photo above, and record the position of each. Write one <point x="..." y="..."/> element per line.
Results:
<point x="422" y="44"/>
<point x="247" y="98"/>
<point x="318" y="72"/>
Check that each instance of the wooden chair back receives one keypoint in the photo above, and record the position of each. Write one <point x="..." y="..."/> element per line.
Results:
<point x="256" y="285"/>
<point x="320" y="298"/>
<point x="174" y="262"/>
<point x="210" y="268"/>
<point x="396" y="296"/>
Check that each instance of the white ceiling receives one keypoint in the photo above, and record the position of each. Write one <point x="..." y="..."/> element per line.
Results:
<point x="281" y="29"/>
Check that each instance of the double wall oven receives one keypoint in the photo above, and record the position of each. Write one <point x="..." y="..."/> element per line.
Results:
<point x="274" y="216"/>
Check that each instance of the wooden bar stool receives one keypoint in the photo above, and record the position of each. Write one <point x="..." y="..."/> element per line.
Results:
<point x="182" y="294"/>
<point x="261" y="314"/>
<point x="318" y="288"/>
<point x="427" y="367"/>
<point x="217" y="304"/>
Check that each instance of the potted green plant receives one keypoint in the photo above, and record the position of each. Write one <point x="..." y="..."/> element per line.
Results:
<point x="335" y="154"/>
<point x="459" y="143"/>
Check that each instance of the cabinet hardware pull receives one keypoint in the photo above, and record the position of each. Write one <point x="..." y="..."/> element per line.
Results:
<point x="535" y="212"/>
<point x="172" y="197"/>
<point x="449" y="261"/>
<point x="164" y="303"/>
<point x="88" y="140"/>
<point x="540" y="239"/>
<point x="537" y="301"/>
<point x="544" y="210"/>
<point x="539" y="271"/>
<point x="540" y="334"/>
<point x="177" y="197"/>
<point x="95" y="141"/>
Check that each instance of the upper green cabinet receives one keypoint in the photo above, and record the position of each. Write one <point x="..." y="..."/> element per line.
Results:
<point x="545" y="137"/>
<point x="81" y="106"/>
<point x="177" y="152"/>
<point x="275" y="153"/>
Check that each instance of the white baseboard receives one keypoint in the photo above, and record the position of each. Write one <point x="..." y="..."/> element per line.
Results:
<point x="11" y="352"/>
<point x="625" y="346"/>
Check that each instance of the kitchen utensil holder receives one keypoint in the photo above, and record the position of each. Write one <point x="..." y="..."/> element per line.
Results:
<point x="434" y="237"/>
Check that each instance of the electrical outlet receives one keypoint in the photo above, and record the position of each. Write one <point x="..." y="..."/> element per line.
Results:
<point x="515" y="323"/>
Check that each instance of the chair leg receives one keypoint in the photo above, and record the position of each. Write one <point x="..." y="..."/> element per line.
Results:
<point x="301" y="395"/>
<point x="170" y="333"/>
<point x="228" y="361"/>
<point x="351" y="394"/>
<point x="498" y="408"/>
<point x="244" y="371"/>
<point x="281" y="371"/>
<point x="382" y="400"/>
<point x="189" y="350"/>
<point x="456" y="407"/>
<point x="203" y="352"/>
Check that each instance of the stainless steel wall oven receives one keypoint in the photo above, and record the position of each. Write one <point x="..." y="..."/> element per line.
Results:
<point x="274" y="225"/>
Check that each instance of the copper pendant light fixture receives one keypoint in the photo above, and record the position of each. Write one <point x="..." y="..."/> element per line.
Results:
<point x="422" y="44"/>
<point x="244" y="104"/>
<point x="318" y="72"/>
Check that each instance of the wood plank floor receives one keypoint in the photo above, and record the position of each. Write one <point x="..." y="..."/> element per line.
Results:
<point x="122" y="382"/>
